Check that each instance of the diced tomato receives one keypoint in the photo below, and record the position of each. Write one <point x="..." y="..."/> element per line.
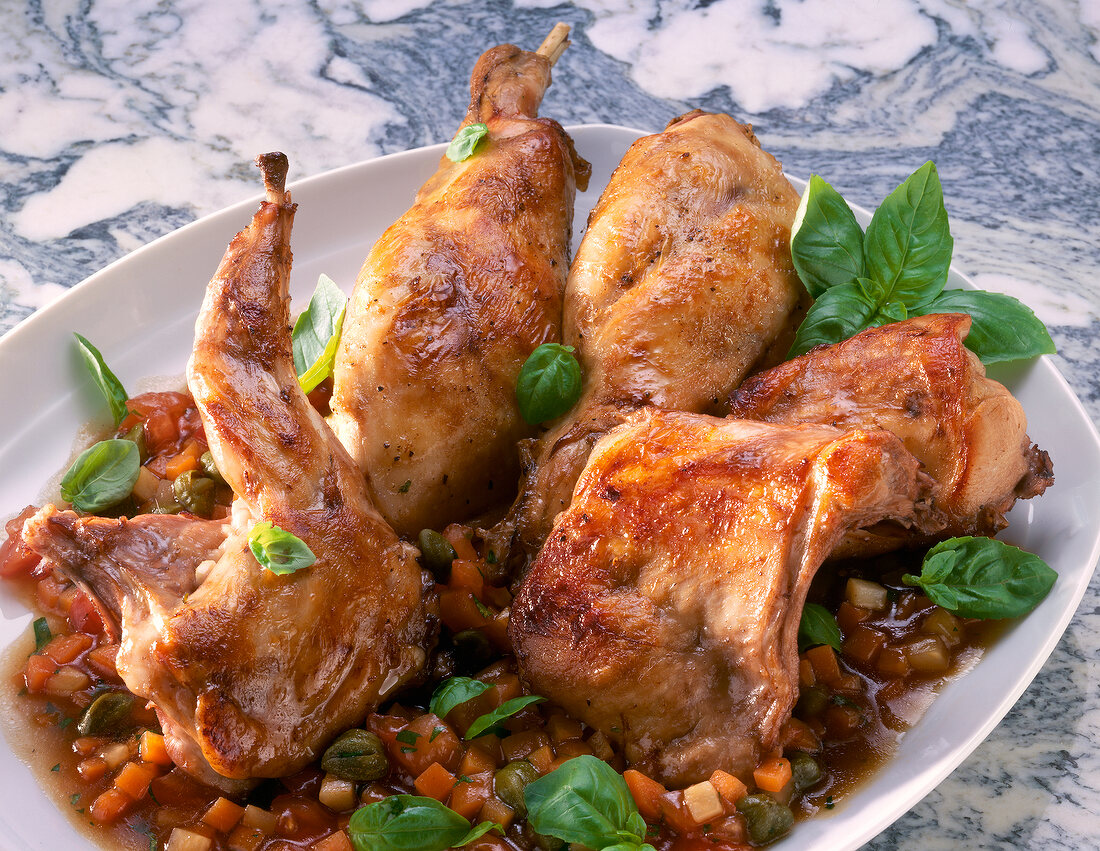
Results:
<point x="38" y="671"/>
<point x="84" y="615"/>
<point x="425" y="740"/>
<point x="302" y="819"/>
<point x="16" y="559"/>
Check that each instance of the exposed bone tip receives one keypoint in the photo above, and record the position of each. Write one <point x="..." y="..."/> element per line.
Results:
<point x="553" y="46"/>
<point x="274" y="167"/>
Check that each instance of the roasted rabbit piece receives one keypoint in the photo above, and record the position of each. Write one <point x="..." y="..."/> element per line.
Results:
<point x="251" y="672"/>
<point x="915" y="379"/>
<point x="663" y="609"/>
<point x="452" y="300"/>
<point x="682" y="284"/>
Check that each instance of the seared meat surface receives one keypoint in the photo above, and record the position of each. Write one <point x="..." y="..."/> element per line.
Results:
<point x="451" y="301"/>
<point x="252" y="672"/>
<point x="915" y="379"/>
<point x="663" y="609"/>
<point x="682" y="284"/>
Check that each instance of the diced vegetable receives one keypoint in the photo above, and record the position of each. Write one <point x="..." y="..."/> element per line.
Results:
<point x="337" y="794"/>
<point x="188" y="840"/>
<point x="356" y="755"/>
<point x="223" y="815"/>
<point x="765" y="818"/>
<point x="772" y="774"/>
<point x="510" y="781"/>
<point x="865" y="594"/>
<point x="703" y="802"/>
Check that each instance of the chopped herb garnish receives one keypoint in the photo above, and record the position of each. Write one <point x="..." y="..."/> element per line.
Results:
<point x="42" y="634"/>
<point x="405" y="487"/>
<point x="56" y="767"/>
<point x="407" y="737"/>
<point x="435" y="732"/>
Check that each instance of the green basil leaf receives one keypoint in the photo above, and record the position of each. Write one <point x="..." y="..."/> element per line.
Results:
<point x="465" y="142"/>
<point x="316" y="335"/>
<point x="42" y="634"/>
<point x="840" y="312"/>
<point x="105" y="380"/>
<point x="983" y="578"/>
<point x="505" y="710"/>
<point x="908" y="243"/>
<point x="450" y="693"/>
<point x="549" y="383"/>
<point x="408" y="823"/>
<point x="102" y="475"/>
<point x="826" y="239"/>
<point x="1003" y="328"/>
<point x="278" y="550"/>
<point x="585" y="801"/>
<point x="478" y="831"/>
<point x="818" y="626"/>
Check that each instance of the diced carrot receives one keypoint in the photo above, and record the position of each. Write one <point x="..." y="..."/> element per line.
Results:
<point x="573" y="748"/>
<point x="806" y="677"/>
<point x="497" y="631"/>
<point x="601" y="746"/>
<point x="65" y="648"/>
<point x="495" y="810"/>
<point x="772" y="774"/>
<point x="468" y="797"/>
<point x="424" y="740"/>
<point x="541" y="758"/>
<point x="110" y="806"/>
<point x="333" y="842"/>
<point x="728" y="786"/>
<point x="519" y="745"/>
<point x="48" y="591"/>
<point x="506" y="687"/>
<point x="562" y="728"/>
<point x="476" y="760"/>
<point x="154" y="751"/>
<point x="37" y="672"/>
<point x="84" y="615"/>
<point x="497" y="596"/>
<point x="244" y="838"/>
<point x="456" y="535"/>
<point x="435" y="782"/>
<point x="824" y="662"/>
<point x="223" y="815"/>
<point x="466" y="574"/>
<point x="848" y="617"/>
<point x="87" y="745"/>
<point x="646" y="792"/>
<point x="102" y="659"/>
<point x="798" y="736"/>
<point x="458" y="610"/>
<point x="135" y="777"/>
<point x="92" y="769"/>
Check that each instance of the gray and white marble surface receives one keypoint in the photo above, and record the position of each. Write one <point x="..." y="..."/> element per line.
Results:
<point x="121" y="120"/>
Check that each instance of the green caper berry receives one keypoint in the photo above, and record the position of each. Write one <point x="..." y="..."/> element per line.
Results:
<point x="137" y="435"/>
<point x="510" y="781"/>
<point x="765" y="818"/>
<point x="811" y="703"/>
<point x="194" y="493"/>
<point x="357" y="755"/>
<point x="436" y="554"/>
<point x="108" y="713"/>
<point x="206" y="460"/>
<point x="472" y="651"/>
<point x="805" y="770"/>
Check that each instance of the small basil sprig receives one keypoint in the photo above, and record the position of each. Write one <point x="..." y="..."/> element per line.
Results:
<point x="983" y="578"/>
<point x="105" y="380"/>
<point x="412" y="823"/>
<point x="549" y="383"/>
<point x="42" y="634"/>
<point x="454" y="691"/>
<point x="465" y="142"/>
<point x="278" y="550"/>
<point x="102" y="475"/>
<point x="587" y="802"/>
<point x="817" y="626"/>
<point x="506" y="710"/>
<point x="896" y="270"/>
<point x="316" y="335"/>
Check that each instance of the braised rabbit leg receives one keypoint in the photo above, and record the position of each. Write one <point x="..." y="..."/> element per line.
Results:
<point x="251" y="672"/>
<point x="452" y="300"/>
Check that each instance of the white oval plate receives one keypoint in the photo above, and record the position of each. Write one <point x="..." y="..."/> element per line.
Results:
<point x="140" y="312"/>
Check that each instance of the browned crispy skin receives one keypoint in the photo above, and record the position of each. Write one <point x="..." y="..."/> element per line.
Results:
<point x="916" y="379"/>
<point x="663" y="609"/>
<point x="252" y="673"/>
<point x="452" y="300"/>
<point x="682" y="284"/>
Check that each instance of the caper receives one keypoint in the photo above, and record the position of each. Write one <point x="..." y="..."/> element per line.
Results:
<point x="436" y="554"/>
<point x="194" y="492"/>
<point x="137" y="435"/>
<point x="206" y="460"/>
<point x="356" y="755"/>
<point x="472" y="651"/>
<point x="541" y="841"/>
<point x="805" y="770"/>
<point x="765" y="818"/>
<point x="811" y="703"/>
<point x="107" y="714"/>
<point x="510" y="781"/>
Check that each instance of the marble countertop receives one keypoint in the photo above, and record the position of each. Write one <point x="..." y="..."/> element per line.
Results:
<point x="121" y="121"/>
